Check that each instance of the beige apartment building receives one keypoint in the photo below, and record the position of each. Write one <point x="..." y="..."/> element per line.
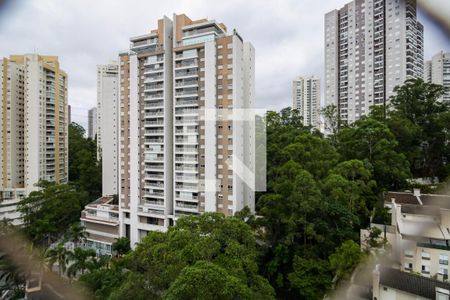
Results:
<point x="33" y="122"/>
<point x="181" y="144"/>
<point x="101" y="221"/>
<point x="419" y="232"/>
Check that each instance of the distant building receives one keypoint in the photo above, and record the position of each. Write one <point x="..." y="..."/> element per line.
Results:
<point x="33" y="123"/>
<point x="306" y="99"/>
<point x="108" y="125"/>
<point x="419" y="232"/>
<point x="437" y="70"/>
<point x="92" y="123"/>
<point x="101" y="220"/>
<point x="371" y="46"/>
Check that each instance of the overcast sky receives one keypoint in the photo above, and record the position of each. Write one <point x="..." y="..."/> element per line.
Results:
<point x="287" y="35"/>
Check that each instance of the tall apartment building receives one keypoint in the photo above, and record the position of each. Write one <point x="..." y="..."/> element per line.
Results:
<point x="33" y="118"/>
<point x="437" y="70"/>
<point x="371" y="46"/>
<point x="92" y="123"/>
<point x="306" y="99"/>
<point x="107" y="125"/>
<point x="180" y="147"/>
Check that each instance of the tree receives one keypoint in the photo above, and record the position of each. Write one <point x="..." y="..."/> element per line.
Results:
<point x="345" y="259"/>
<point x="58" y="254"/>
<point x="103" y="282"/>
<point x="48" y="212"/>
<point x="371" y="140"/>
<point x="227" y="243"/>
<point x="80" y="260"/>
<point x="206" y="280"/>
<point x="12" y="278"/>
<point x="76" y="233"/>
<point x="331" y="118"/>
<point x="85" y="171"/>
<point x="421" y="124"/>
<point x="311" y="277"/>
<point x="350" y="183"/>
<point x="121" y="246"/>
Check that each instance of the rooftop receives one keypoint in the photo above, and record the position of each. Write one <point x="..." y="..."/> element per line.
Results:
<point x="431" y="200"/>
<point x="411" y="283"/>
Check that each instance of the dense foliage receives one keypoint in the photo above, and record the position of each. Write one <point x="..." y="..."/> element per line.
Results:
<point x="84" y="168"/>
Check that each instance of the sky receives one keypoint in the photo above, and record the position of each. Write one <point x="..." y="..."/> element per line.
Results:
<point x="287" y="36"/>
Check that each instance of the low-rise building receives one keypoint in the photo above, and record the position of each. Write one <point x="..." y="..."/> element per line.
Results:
<point x="394" y="284"/>
<point x="101" y="220"/>
<point x="419" y="232"/>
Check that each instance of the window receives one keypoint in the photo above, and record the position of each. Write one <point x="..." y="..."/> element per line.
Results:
<point x="425" y="269"/>
<point x="425" y="256"/>
<point x="443" y="272"/>
<point x="443" y="259"/>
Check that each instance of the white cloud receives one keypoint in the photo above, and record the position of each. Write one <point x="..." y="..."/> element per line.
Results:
<point x="287" y="35"/>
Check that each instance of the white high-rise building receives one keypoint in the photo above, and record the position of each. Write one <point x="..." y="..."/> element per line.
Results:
<point x="371" y="46"/>
<point x="33" y="122"/>
<point x="437" y="70"/>
<point x="306" y="99"/>
<point x="107" y="125"/>
<point x="179" y="150"/>
<point x="92" y="123"/>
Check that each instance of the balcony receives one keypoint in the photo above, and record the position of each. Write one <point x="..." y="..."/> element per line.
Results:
<point x="153" y="78"/>
<point x="184" y="131"/>
<point x="153" y="202"/>
<point x="154" y="140"/>
<point x="94" y="216"/>
<point x="186" y="168"/>
<point x="186" y="111"/>
<point x="183" y="206"/>
<point x="187" y="140"/>
<point x="185" y="83"/>
<point x="154" y="123"/>
<point x="154" y="167"/>
<point x="186" y="63"/>
<point x="186" y="149"/>
<point x="154" y="114"/>
<point x="187" y="103"/>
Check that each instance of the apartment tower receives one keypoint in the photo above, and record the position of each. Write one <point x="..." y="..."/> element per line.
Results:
<point x="306" y="99"/>
<point x="92" y="123"/>
<point x="371" y="46"/>
<point x="437" y="70"/>
<point x="181" y="87"/>
<point x="33" y="118"/>
<point x="107" y="122"/>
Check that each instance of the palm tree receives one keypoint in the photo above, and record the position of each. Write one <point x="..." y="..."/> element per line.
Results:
<point x="76" y="233"/>
<point x="58" y="254"/>
<point x="81" y="260"/>
<point x="11" y="277"/>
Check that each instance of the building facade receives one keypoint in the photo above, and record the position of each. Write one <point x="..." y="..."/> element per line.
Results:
<point x="92" y="123"/>
<point x="180" y="142"/>
<point x="418" y="232"/>
<point x="371" y="46"/>
<point x="33" y="118"/>
<point x="101" y="221"/>
<point x="108" y="125"/>
<point x="306" y="99"/>
<point x="437" y="70"/>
